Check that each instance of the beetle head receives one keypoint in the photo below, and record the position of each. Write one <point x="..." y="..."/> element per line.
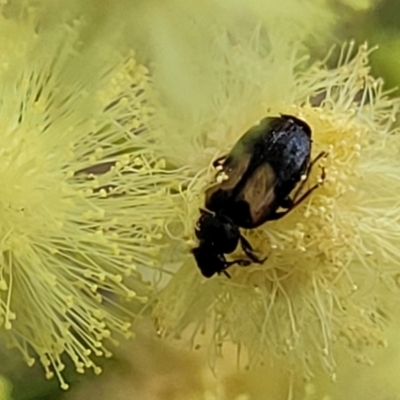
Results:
<point x="217" y="232"/>
<point x="209" y="261"/>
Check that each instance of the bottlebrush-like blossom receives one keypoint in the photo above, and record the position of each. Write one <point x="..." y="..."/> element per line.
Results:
<point x="77" y="185"/>
<point x="328" y="259"/>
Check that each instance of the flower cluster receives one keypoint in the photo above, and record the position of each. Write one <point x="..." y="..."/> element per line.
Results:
<point x="76" y="183"/>
<point x="329" y="258"/>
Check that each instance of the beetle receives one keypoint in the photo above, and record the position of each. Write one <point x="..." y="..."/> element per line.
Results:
<point x="253" y="182"/>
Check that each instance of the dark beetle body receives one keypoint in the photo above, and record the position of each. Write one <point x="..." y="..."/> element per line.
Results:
<point x="263" y="168"/>
<point x="254" y="180"/>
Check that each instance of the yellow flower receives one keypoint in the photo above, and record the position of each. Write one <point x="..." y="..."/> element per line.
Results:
<point x="77" y="184"/>
<point x="329" y="256"/>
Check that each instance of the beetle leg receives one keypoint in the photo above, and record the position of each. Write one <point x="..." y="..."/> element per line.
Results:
<point x="309" y="191"/>
<point x="287" y="202"/>
<point x="278" y="215"/>
<point x="219" y="161"/>
<point x="241" y="262"/>
<point x="226" y="274"/>
<point x="309" y="168"/>
<point x="248" y="249"/>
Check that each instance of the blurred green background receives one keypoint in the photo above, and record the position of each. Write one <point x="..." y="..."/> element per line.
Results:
<point x="376" y="22"/>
